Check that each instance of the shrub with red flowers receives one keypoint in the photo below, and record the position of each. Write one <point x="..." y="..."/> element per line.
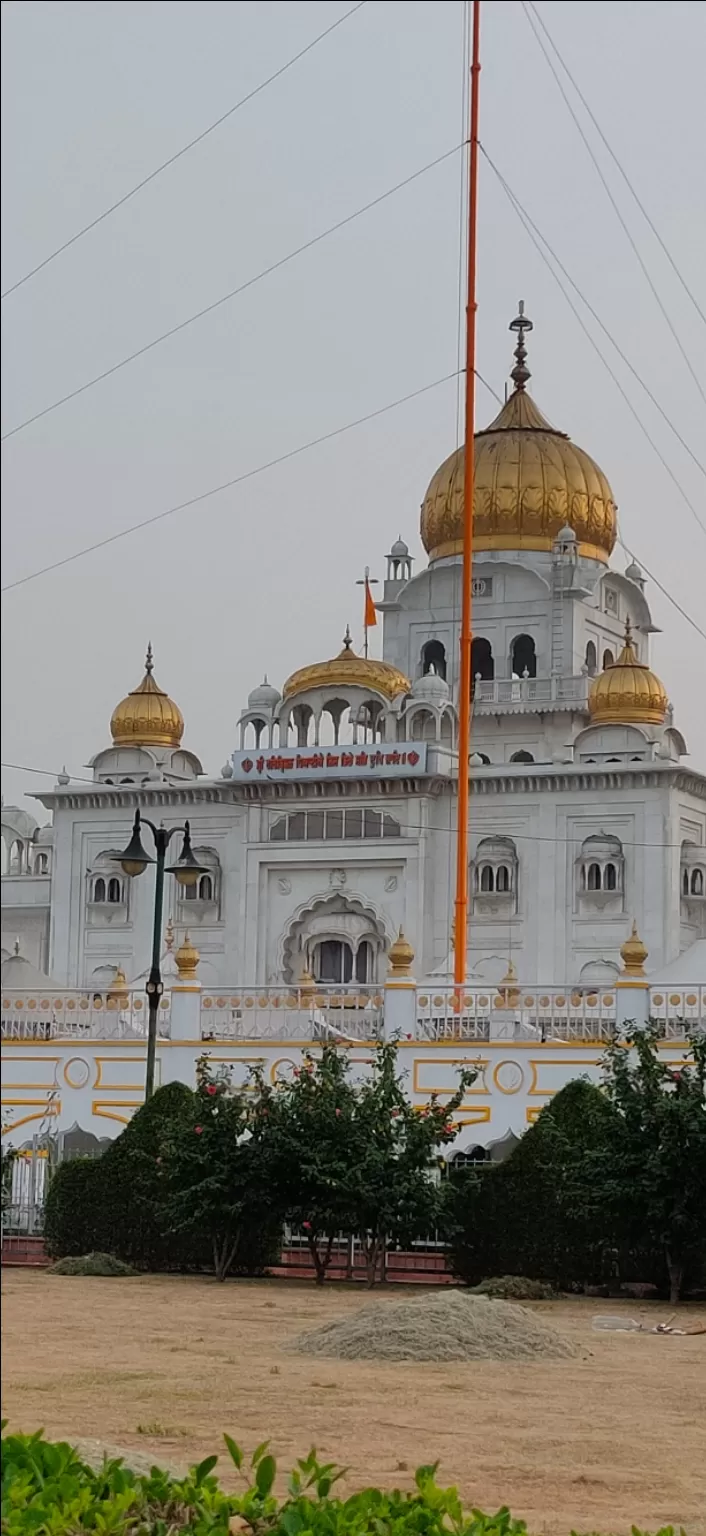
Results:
<point x="215" y="1181"/>
<point x="355" y="1158"/>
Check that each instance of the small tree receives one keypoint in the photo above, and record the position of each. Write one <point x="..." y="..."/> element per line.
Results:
<point x="391" y="1186"/>
<point x="212" y="1164"/>
<point x="311" y="1149"/>
<point x="655" y="1173"/>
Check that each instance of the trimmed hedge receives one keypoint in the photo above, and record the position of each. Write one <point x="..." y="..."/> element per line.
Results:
<point x="115" y="1203"/>
<point x="46" y="1488"/>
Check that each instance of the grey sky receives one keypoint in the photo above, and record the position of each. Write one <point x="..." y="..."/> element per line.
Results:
<point x="262" y="578"/>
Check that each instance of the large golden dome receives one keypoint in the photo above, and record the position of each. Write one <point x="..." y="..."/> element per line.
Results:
<point x="627" y="693"/>
<point x="147" y="717"/>
<point x="346" y="670"/>
<point x="530" y="482"/>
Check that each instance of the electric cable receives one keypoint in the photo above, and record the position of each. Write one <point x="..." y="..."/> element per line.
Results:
<point x="536" y="237"/>
<point x="183" y="151"/>
<point x="249" y="474"/>
<point x="617" y="162"/>
<point x="225" y="298"/>
<point x="614" y="203"/>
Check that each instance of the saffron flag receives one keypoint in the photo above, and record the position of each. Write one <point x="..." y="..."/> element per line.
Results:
<point x="371" y="617"/>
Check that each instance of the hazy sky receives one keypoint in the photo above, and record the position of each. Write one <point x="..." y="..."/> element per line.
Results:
<point x="262" y="577"/>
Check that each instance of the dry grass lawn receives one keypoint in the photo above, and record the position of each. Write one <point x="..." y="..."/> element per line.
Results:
<point x="597" y="1443"/>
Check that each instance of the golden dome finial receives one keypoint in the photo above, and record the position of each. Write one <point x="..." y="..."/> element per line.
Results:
<point x="633" y="954"/>
<point x="347" y="670"/>
<point x="627" y="692"/>
<point x="187" y="958"/>
<point x="520" y="373"/>
<point x="169" y="935"/>
<point x="348" y="639"/>
<point x="400" y="957"/>
<point x="147" y="717"/>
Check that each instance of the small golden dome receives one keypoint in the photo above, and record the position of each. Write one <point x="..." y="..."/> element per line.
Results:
<point x="627" y="693"/>
<point x="187" y="958"/>
<point x="401" y="956"/>
<point x="633" y="954"/>
<point x="530" y="482"/>
<point x="147" y="717"/>
<point x="346" y="670"/>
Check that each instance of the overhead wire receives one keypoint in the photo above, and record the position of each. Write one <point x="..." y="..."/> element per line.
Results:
<point x="120" y="202"/>
<point x="614" y="203"/>
<point x="539" y="241"/>
<point x="192" y="501"/>
<point x="643" y="210"/>
<point x="524" y="837"/>
<point x="233" y="293"/>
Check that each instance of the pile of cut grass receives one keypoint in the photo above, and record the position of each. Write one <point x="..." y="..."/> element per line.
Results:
<point x="451" y="1325"/>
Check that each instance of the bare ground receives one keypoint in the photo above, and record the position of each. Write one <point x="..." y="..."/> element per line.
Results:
<point x="597" y="1443"/>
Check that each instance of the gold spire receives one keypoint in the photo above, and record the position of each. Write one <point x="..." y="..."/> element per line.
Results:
<point x="400" y="957"/>
<point x="633" y="954"/>
<point x="627" y="693"/>
<point x="147" y="717"/>
<point x="530" y="482"/>
<point x="347" y="670"/>
<point x="187" y="958"/>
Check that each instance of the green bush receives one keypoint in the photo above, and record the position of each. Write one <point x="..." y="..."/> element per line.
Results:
<point x="117" y="1203"/>
<point x="47" y="1489"/>
<point x="104" y="1264"/>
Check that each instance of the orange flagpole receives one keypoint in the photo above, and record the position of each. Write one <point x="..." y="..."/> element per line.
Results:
<point x="464" y="732"/>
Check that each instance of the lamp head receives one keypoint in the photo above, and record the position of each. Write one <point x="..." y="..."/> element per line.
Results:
<point x="187" y="868"/>
<point x="135" y="858"/>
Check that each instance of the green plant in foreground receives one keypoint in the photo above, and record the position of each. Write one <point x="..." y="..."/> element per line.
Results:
<point x="48" y="1491"/>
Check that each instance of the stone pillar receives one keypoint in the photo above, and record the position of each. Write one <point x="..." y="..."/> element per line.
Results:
<point x="186" y="994"/>
<point x="400" y="1003"/>
<point x="632" y="991"/>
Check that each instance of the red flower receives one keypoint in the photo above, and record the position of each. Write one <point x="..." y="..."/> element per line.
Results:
<point x="211" y="1089"/>
<point x="297" y="1072"/>
<point x="338" y="1111"/>
<point x="197" y="1130"/>
<point x="307" y="1226"/>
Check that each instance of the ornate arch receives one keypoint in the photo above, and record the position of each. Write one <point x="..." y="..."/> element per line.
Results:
<point x="335" y="904"/>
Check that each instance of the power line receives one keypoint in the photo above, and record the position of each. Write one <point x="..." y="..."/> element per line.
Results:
<point x="233" y="293"/>
<point x="249" y="474"/>
<point x="651" y="577"/>
<point x="450" y="831"/>
<point x="617" y="162"/>
<point x="184" y="150"/>
<point x="609" y="193"/>
<point x="536" y="237"/>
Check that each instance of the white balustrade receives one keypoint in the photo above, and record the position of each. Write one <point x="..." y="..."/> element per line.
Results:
<point x="292" y="1013"/>
<point x="75" y="1014"/>
<point x="569" y="1014"/>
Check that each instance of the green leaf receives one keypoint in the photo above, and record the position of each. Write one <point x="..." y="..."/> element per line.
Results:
<point x="259" y="1453"/>
<point x="265" y="1475"/>
<point x="234" y="1451"/>
<point x="203" y="1469"/>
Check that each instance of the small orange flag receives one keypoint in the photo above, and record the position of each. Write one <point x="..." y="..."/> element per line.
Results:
<point x="371" y="617"/>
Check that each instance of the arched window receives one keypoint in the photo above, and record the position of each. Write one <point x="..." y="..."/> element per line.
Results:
<point x="482" y="663"/>
<point x="610" y="878"/>
<point x="591" y="659"/>
<point x="364" y="963"/>
<point x="99" y="889"/>
<point x="523" y="657"/>
<point x="434" y="658"/>
<point x="697" y="882"/>
<point x="42" y="864"/>
<point x="593" y="877"/>
<point x="333" y="961"/>
<point x="205" y="888"/>
<point x="522" y="757"/>
<point x="685" y="882"/>
<point x="502" y="878"/>
<point x="608" y="660"/>
<point x="114" y="891"/>
<point x="487" y="878"/>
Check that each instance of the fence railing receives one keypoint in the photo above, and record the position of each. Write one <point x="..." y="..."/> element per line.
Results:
<point x="72" y="1014"/>
<point x="519" y="691"/>
<point x="293" y="1013"/>
<point x="548" y="1013"/>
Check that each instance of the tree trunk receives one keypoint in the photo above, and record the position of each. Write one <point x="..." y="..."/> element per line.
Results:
<point x="675" y="1270"/>
<point x="321" y="1261"/>
<point x="224" y="1251"/>
<point x="371" y="1250"/>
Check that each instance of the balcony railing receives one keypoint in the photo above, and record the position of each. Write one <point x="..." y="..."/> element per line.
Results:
<point x="346" y="1013"/>
<point x="530" y="693"/>
<point x="580" y="1015"/>
<point x="72" y="1014"/>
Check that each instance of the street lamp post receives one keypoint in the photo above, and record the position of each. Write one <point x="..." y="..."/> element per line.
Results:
<point x="134" y="861"/>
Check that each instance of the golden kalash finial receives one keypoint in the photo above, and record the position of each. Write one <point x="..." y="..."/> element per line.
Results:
<point x="187" y="958"/>
<point x="400" y="957"/>
<point x="508" y="990"/>
<point x="633" y="954"/>
<point x="627" y="692"/>
<point x="147" y="716"/>
<point x="169" y="935"/>
<point x="520" y="373"/>
<point x="118" y="990"/>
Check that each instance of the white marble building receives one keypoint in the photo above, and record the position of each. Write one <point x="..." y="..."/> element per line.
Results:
<point x="331" y="825"/>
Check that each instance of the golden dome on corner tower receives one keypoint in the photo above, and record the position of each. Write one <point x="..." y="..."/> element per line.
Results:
<point x="627" y="693"/>
<point x="147" y="717"/>
<point x="530" y="482"/>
